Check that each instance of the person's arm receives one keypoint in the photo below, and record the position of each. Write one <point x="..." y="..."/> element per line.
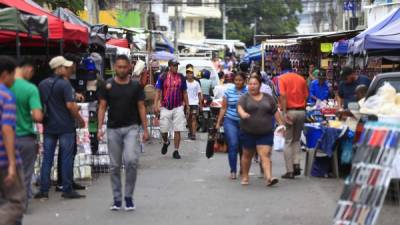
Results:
<point x="74" y="110"/>
<point x="243" y="114"/>
<point x="100" y="118"/>
<point x="222" y="112"/>
<point x="313" y="92"/>
<point x="36" y="106"/>
<point x="279" y="118"/>
<point x="142" y="114"/>
<point x="157" y="98"/>
<point x="7" y="129"/>
<point x="340" y="97"/>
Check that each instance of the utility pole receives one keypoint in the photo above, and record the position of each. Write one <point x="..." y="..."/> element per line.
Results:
<point x="177" y="29"/>
<point x="255" y="31"/>
<point x="223" y="20"/>
<point x="93" y="9"/>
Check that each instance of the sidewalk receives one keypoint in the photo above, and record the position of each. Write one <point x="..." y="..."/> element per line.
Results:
<point x="197" y="191"/>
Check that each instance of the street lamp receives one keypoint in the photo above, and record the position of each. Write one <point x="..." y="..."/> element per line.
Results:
<point x="225" y="18"/>
<point x="254" y="26"/>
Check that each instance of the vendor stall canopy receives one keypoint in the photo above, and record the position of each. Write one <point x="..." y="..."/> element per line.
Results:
<point x="385" y="35"/>
<point x="58" y="29"/>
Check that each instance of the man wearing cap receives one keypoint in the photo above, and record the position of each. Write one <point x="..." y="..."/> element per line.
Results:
<point x="60" y="112"/>
<point x="170" y="100"/>
<point x="195" y="100"/>
<point x="348" y="85"/>
<point x="319" y="89"/>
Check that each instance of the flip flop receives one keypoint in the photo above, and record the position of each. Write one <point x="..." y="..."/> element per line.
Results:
<point x="244" y="182"/>
<point x="272" y="182"/>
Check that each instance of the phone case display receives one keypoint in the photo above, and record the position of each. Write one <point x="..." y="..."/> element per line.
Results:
<point x="365" y="189"/>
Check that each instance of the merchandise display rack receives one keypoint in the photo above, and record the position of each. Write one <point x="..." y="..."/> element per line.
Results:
<point x="366" y="188"/>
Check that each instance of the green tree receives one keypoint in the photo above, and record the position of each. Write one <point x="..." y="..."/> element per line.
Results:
<point x="274" y="17"/>
<point x="73" y="5"/>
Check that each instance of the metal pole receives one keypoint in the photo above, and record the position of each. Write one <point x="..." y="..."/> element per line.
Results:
<point x="223" y="21"/>
<point x="150" y="46"/>
<point x="176" y="35"/>
<point x="262" y="56"/>
<point x="18" y="43"/>
<point x="255" y="32"/>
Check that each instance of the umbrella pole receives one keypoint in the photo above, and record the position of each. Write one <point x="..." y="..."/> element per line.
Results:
<point x="61" y="47"/>
<point x="47" y="48"/>
<point x="18" y="43"/>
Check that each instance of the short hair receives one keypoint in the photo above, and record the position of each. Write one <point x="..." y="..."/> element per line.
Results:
<point x="256" y="76"/>
<point x="362" y="88"/>
<point x="26" y="61"/>
<point x="189" y="65"/>
<point x="122" y="57"/>
<point x="221" y="74"/>
<point x="286" y="64"/>
<point x="346" y="71"/>
<point x="243" y="75"/>
<point x="7" y="64"/>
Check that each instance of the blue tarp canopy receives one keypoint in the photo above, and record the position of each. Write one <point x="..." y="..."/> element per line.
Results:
<point x="340" y="47"/>
<point x="163" y="56"/>
<point x="369" y="39"/>
<point x="253" y="54"/>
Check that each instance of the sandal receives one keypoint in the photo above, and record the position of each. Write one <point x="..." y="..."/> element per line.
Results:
<point x="244" y="182"/>
<point x="272" y="182"/>
<point x="233" y="176"/>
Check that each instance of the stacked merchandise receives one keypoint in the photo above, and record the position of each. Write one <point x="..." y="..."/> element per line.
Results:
<point x="101" y="160"/>
<point x="366" y="187"/>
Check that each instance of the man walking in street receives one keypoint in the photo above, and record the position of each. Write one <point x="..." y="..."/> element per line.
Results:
<point x="195" y="100"/>
<point x="29" y="111"/>
<point x="60" y="113"/>
<point x="126" y="111"/>
<point x="172" y="93"/>
<point x="12" y="192"/>
<point x="293" y="93"/>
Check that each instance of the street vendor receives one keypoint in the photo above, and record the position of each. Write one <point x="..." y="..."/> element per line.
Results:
<point x="319" y="89"/>
<point x="347" y="87"/>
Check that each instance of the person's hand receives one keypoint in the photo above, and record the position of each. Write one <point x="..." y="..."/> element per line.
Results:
<point x="245" y="115"/>
<point x="81" y="122"/>
<point x="288" y="119"/>
<point x="281" y="129"/>
<point x="11" y="177"/>
<point x="156" y="109"/>
<point x="217" y="126"/>
<point x="145" y="136"/>
<point x="100" y="134"/>
<point x="79" y="97"/>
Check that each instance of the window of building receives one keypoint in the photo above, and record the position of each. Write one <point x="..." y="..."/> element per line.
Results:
<point x="165" y="7"/>
<point x="191" y="26"/>
<point x="194" y="2"/>
<point x="182" y="26"/>
<point x="201" y="26"/>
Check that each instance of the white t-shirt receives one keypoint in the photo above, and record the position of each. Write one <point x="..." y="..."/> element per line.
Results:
<point x="219" y="90"/>
<point x="193" y="90"/>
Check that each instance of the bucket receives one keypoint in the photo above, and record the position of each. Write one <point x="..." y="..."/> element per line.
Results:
<point x="313" y="134"/>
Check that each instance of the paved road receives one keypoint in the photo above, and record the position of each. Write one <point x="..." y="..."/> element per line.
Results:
<point x="197" y="191"/>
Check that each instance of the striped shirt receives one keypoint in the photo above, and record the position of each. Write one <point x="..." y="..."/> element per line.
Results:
<point x="8" y="117"/>
<point x="172" y="88"/>
<point x="232" y="96"/>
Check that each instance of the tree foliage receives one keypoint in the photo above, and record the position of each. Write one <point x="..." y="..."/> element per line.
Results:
<point x="273" y="17"/>
<point x="73" y="5"/>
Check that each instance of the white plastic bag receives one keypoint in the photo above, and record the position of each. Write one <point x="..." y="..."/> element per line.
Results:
<point x="279" y="141"/>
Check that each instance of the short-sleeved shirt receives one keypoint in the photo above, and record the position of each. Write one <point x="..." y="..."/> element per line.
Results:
<point x="321" y="91"/>
<point x="232" y="96"/>
<point x="122" y="101"/>
<point x="28" y="99"/>
<point x="57" y="92"/>
<point x="347" y="91"/>
<point x="261" y="120"/>
<point x="294" y="87"/>
<point x="7" y="117"/>
<point x="172" y="87"/>
<point x="206" y="86"/>
<point x="193" y="90"/>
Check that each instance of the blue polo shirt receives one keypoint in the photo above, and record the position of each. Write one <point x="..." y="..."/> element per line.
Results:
<point x="321" y="91"/>
<point x="347" y="91"/>
<point x="7" y="117"/>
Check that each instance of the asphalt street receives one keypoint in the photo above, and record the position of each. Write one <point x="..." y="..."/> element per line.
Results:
<point x="197" y="191"/>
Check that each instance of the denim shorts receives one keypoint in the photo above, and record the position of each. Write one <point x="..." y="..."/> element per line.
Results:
<point x="251" y="141"/>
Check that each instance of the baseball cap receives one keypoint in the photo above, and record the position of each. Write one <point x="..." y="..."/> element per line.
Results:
<point x="190" y="69"/>
<point x="173" y="62"/>
<point x="59" y="61"/>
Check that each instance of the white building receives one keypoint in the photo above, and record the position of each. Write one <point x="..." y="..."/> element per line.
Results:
<point x="379" y="10"/>
<point x="319" y="16"/>
<point x="191" y="14"/>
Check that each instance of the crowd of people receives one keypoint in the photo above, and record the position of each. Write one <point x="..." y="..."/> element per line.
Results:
<point x="254" y="106"/>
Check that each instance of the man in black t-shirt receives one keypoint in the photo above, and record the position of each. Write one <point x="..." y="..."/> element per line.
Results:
<point x="126" y="111"/>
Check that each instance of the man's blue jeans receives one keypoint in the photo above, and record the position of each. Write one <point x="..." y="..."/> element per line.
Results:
<point x="66" y="149"/>
<point x="232" y="135"/>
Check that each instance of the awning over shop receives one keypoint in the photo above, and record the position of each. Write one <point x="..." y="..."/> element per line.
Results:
<point x="123" y="43"/>
<point x="163" y="56"/>
<point x="253" y="54"/>
<point x="367" y="39"/>
<point x="340" y="47"/>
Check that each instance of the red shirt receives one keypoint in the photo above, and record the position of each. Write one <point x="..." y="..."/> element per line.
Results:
<point x="294" y="87"/>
